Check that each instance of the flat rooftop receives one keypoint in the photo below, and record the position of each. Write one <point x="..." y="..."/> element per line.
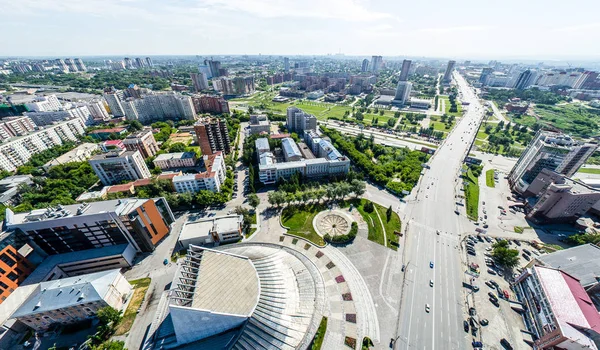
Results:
<point x="581" y="262"/>
<point x="178" y="155"/>
<point x="119" y="206"/>
<point x="204" y="227"/>
<point x="226" y="284"/>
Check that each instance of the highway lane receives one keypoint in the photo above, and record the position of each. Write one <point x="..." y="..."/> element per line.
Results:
<point x="433" y="210"/>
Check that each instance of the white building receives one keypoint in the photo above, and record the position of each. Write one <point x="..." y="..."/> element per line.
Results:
<point x="47" y="118"/>
<point x="49" y="103"/>
<point x="210" y="180"/>
<point x="16" y="126"/>
<point x="71" y="300"/>
<point x="115" y="167"/>
<point x="18" y="151"/>
<point x="313" y="95"/>
<point x="420" y="103"/>
<point x="162" y="106"/>
<point x="213" y="231"/>
<point x="98" y="110"/>
<point x="403" y="90"/>
<point x="299" y="121"/>
<point x="113" y="99"/>
<point x="175" y="160"/>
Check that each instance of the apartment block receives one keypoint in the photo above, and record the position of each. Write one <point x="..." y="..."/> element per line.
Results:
<point x="200" y="81"/>
<point x="449" y="69"/>
<point x="113" y="99"/>
<point x="49" y="103"/>
<point x="235" y="86"/>
<point x="118" y="166"/>
<point x="143" y="223"/>
<point x="159" y="106"/>
<point x="212" y="135"/>
<point x="80" y="66"/>
<point x="142" y="141"/>
<point x="210" y="104"/>
<point x="48" y="118"/>
<point x="300" y="121"/>
<point x="78" y="154"/>
<point x="15" y="126"/>
<point x="98" y="111"/>
<point x="175" y="160"/>
<point x="549" y="150"/>
<point x="210" y="180"/>
<point x="18" y="151"/>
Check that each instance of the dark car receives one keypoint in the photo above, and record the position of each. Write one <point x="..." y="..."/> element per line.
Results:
<point x="479" y="238"/>
<point x="495" y="302"/>
<point x="474" y="331"/>
<point x="489" y="284"/>
<point x="526" y="257"/>
<point x="484" y="322"/>
<point x="506" y="344"/>
<point x="517" y="242"/>
<point x="472" y="252"/>
<point x="472" y="311"/>
<point x="466" y="326"/>
<point x="492" y="295"/>
<point x="494" y="283"/>
<point x="477" y="344"/>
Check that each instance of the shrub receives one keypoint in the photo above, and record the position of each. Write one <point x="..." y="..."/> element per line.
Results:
<point x="349" y="237"/>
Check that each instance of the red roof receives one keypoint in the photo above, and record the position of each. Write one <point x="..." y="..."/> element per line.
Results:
<point x="113" y="142"/>
<point x="583" y="300"/>
<point x="120" y="188"/>
<point x="279" y="136"/>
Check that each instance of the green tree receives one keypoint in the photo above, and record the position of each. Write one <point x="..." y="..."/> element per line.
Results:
<point x="358" y="187"/>
<point x="368" y="207"/>
<point x="505" y="256"/>
<point x="388" y="213"/>
<point x="177" y="147"/>
<point x="253" y="200"/>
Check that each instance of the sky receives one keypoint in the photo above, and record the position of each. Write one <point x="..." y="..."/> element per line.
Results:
<point x="469" y="29"/>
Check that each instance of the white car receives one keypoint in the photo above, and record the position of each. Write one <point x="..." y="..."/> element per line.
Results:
<point x="491" y="272"/>
<point x="427" y="308"/>
<point x="431" y="283"/>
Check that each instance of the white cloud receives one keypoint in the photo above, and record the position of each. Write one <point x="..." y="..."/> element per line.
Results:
<point x="579" y="27"/>
<point x="348" y="10"/>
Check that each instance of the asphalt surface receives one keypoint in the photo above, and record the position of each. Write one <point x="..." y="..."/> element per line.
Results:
<point x="432" y="210"/>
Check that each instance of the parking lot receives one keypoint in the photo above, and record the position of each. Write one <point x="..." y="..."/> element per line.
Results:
<point x="496" y="315"/>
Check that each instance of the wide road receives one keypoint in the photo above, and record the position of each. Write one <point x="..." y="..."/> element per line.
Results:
<point x="432" y="210"/>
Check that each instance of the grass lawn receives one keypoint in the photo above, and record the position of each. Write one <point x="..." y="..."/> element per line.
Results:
<point x="589" y="170"/>
<point x="375" y="229"/>
<point x="390" y="226"/>
<point x="140" y="287"/>
<point x="320" y="335"/>
<point x="574" y="118"/>
<point x="299" y="219"/>
<point x="439" y="126"/>
<point x="489" y="178"/>
<point x="472" y="196"/>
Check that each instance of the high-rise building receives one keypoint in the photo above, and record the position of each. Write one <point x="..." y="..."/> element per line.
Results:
<point x="117" y="166"/>
<point x="213" y="136"/>
<point x="485" y="73"/>
<point x="80" y="66"/>
<point x="405" y="69"/>
<point x="142" y="141"/>
<point x="113" y="99"/>
<point x="200" y="81"/>
<point x="403" y="90"/>
<point x="71" y="64"/>
<point x="14" y="267"/>
<point x="299" y="121"/>
<point x="214" y="67"/>
<point x="204" y="68"/>
<point x="139" y="62"/>
<point x="376" y="62"/>
<point x="48" y="118"/>
<point x="286" y="64"/>
<point x="549" y="150"/>
<point x="523" y="80"/>
<point x="235" y="86"/>
<point x="449" y="70"/>
<point x="210" y="180"/>
<point x="61" y="65"/>
<point x="98" y="110"/>
<point x="16" y="126"/>
<point x="128" y="63"/>
<point x="143" y="223"/>
<point x="149" y="62"/>
<point x="365" y="66"/>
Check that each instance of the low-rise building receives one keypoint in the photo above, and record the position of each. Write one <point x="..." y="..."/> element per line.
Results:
<point x="212" y="232"/>
<point x="74" y="299"/>
<point x="557" y="309"/>
<point x="9" y="188"/>
<point x="291" y="152"/>
<point x="143" y="223"/>
<point x="259" y="124"/>
<point x="117" y="166"/>
<point x="175" y="160"/>
<point x="313" y="95"/>
<point x="210" y="180"/>
<point x="48" y="103"/>
<point x="420" y="103"/>
<point x="112" y="146"/>
<point x="78" y="154"/>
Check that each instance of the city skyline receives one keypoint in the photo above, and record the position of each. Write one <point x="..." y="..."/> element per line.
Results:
<point x="356" y="28"/>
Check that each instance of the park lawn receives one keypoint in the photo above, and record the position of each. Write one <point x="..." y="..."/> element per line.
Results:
<point x="589" y="170"/>
<point x="439" y="126"/>
<point x="320" y="335"/>
<point x="315" y="108"/>
<point x="394" y="224"/>
<point x="140" y="287"/>
<point x="482" y="135"/>
<point x="372" y="220"/>
<point x="472" y="195"/>
<point x="337" y="112"/>
<point x="299" y="220"/>
<point x="489" y="178"/>
<point x="574" y="118"/>
<point x="382" y="119"/>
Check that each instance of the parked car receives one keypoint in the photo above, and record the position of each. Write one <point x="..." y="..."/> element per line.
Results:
<point x="506" y="344"/>
<point x="489" y="284"/>
<point x="494" y="283"/>
<point x="484" y="322"/>
<point x="493" y="296"/>
<point x="472" y="311"/>
<point x="494" y="302"/>
<point x="491" y="272"/>
<point x="517" y="242"/>
<point x="466" y="326"/>
<point x="526" y="257"/>
<point x="477" y="344"/>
